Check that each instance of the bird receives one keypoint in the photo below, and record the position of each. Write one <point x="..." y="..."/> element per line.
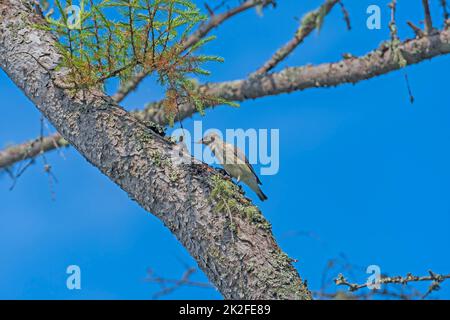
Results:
<point x="234" y="162"/>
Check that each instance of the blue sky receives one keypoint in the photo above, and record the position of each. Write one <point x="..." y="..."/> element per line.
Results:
<point x="361" y="169"/>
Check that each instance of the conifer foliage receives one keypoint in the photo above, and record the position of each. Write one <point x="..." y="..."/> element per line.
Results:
<point x="104" y="39"/>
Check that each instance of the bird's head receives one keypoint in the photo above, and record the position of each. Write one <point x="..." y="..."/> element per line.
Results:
<point x="209" y="139"/>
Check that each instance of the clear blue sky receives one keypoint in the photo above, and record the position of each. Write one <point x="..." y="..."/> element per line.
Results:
<point x="361" y="168"/>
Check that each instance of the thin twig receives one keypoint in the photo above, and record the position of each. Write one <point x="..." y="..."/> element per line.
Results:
<point x="346" y="15"/>
<point x="428" y="20"/>
<point x="309" y="23"/>
<point x="445" y="9"/>
<point x="174" y="283"/>
<point x="392" y="24"/>
<point x="419" y="32"/>
<point x="47" y="166"/>
<point x="21" y="171"/>
<point x="411" y="96"/>
<point x="436" y="279"/>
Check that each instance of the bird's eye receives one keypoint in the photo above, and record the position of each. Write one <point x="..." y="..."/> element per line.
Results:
<point x="212" y="138"/>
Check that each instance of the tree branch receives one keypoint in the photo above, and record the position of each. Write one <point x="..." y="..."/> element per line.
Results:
<point x="419" y="32"/>
<point x="346" y="15"/>
<point x="352" y="70"/>
<point x="428" y="20"/>
<point x="311" y="21"/>
<point x="444" y="9"/>
<point x="139" y="161"/>
<point x="30" y="149"/>
<point x="436" y="279"/>
<point x="170" y="285"/>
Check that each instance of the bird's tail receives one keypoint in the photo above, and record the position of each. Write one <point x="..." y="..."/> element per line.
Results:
<point x="261" y="195"/>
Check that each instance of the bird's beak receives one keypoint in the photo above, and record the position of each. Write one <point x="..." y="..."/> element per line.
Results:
<point x="200" y="141"/>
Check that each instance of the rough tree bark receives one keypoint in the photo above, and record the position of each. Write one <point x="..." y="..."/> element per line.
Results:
<point x="240" y="257"/>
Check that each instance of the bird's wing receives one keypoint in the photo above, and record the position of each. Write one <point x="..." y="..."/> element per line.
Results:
<point x="241" y="155"/>
<point x="219" y="155"/>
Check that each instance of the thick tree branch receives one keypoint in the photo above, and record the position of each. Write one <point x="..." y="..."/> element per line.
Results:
<point x="139" y="161"/>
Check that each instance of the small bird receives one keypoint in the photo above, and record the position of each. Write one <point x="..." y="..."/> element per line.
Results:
<point x="234" y="162"/>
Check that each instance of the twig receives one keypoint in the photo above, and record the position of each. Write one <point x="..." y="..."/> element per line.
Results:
<point x="175" y="283"/>
<point x="209" y="9"/>
<point x="428" y="20"/>
<point x="47" y="166"/>
<point x="385" y="293"/>
<point x="19" y="173"/>
<point x="411" y="97"/>
<point x="445" y="9"/>
<point x="309" y="23"/>
<point x="392" y="24"/>
<point x="346" y="15"/>
<point x="419" y="33"/>
<point x="436" y="279"/>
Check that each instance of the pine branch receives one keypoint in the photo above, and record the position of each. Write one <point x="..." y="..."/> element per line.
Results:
<point x="192" y="40"/>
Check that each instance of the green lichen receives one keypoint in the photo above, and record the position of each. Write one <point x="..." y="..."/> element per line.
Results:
<point x="308" y="22"/>
<point x="314" y="19"/>
<point x="144" y="137"/>
<point x="156" y="158"/>
<point x="159" y="160"/>
<point x="227" y="196"/>
<point x="294" y="288"/>
<point x="283" y="259"/>
<point x="155" y="127"/>
<point x="174" y="176"/>
<point x="233" y="227"/>
<point x="395" y="46"/>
